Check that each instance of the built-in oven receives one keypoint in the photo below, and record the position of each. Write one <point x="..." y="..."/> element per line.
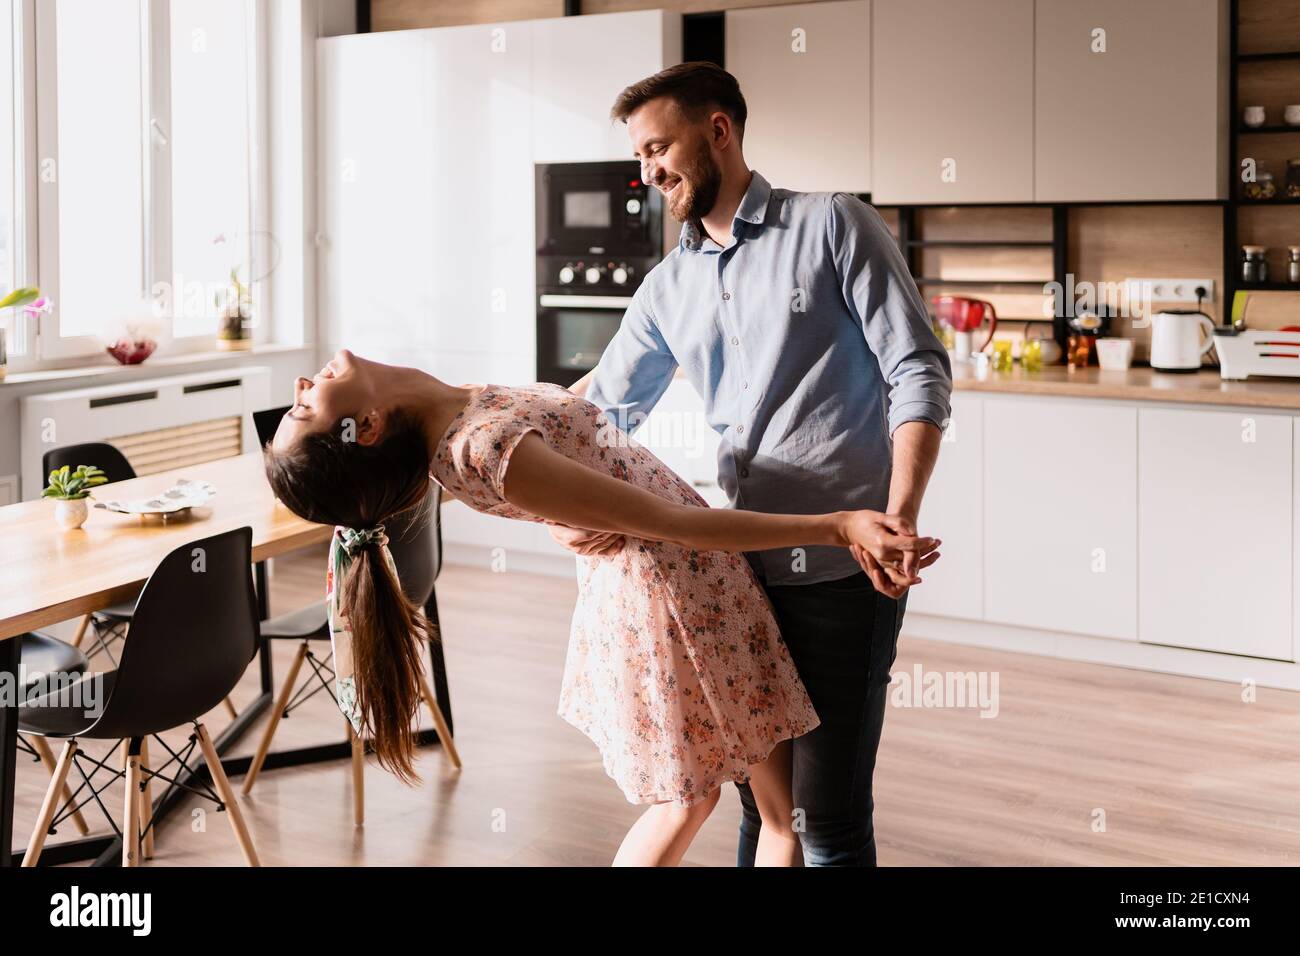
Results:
<point x="599" y="231"/>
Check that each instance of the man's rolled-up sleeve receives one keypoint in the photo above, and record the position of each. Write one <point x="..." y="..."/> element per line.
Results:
<point x="636" y="368"/>
<point x="879" y="289"/>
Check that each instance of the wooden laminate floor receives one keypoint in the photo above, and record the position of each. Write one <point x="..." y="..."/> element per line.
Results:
<point x="1083" y="764"/>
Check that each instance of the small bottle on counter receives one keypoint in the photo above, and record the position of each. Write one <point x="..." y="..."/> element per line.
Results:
<point x="1293" y="264"/>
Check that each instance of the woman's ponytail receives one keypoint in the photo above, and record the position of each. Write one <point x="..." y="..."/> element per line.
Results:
<point x="387" y="631"/>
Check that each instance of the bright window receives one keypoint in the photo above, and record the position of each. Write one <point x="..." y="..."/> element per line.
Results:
<point x="14" y="327"/>
<point x="142" y="156"/>
<point x="210" y="83"/>
<point x="100" y="167"/>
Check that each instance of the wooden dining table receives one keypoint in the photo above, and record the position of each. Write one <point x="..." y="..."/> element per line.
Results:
<point x="48" y="575"/>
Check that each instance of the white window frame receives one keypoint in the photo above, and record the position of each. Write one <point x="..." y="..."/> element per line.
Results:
<point x="25" y="253"/>
<point x="38" y="252"/>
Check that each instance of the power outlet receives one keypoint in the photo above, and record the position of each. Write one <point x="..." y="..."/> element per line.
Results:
<point x="1169" y="290"/>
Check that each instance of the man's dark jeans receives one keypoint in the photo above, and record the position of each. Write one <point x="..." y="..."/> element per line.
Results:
<point x="843" y="636"/>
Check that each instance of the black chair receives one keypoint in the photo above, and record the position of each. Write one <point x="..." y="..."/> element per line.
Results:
<point x="45" y="655"/>
<point x="193" y="635"/>
<point x="108" y="624"/>
<point x="415" y="541"/>
<point x="267" y="421"/>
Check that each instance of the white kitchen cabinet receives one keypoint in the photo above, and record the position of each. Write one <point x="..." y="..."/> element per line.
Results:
<point x="953" y="511"/>
<point x="426" y="194"/>
<point x="580" y="65"/>
<point x="1130" y="99"/>
<point x="1060" y="516"/>
<point x="376" y="194"/>
<point x="952" y="101"/>
<point x="1214" y="530"/>
<point x="805" y="72"/>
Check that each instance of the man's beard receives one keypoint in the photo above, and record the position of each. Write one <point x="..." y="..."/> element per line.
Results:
<point x="701" y="180"/>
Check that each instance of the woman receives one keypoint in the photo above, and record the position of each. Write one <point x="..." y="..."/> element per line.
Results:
<point x="675" y="669"/>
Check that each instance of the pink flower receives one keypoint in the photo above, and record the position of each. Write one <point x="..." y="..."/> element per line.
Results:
<point x="39" y="305"/>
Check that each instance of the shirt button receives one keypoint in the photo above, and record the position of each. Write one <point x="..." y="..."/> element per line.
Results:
<point x="744" y="473"/>
<point x="726" y="295"/>
<point x="744" y="385"/>
<point x="740" y="429"/>
<point x="734" y="340"/>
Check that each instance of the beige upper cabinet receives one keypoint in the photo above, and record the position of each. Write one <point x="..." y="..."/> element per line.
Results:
<point x="805" y="72"/>
<point x="1131" y="100"/>
<point x="952" y="102"/>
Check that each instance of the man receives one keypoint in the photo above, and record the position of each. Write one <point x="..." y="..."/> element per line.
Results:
<point x="795" y="318"/>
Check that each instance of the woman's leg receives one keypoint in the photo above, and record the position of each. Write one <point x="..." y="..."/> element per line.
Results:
<point x="662" y="834"/>
<point x="769" y="782"/>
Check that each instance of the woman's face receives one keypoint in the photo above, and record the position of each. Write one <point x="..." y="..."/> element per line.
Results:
<point x="346" y="386"/>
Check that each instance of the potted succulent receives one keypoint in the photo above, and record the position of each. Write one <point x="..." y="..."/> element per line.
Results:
<point x="33" y="303"/>
<point x="236" y="305"/>
<point x="70" y="489"/>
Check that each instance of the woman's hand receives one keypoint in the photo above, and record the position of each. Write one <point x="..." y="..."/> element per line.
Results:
<point x="887" y="547"/>
<point x="589" y="544"/>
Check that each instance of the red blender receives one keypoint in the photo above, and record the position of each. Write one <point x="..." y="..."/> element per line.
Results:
<point x="965" y="316"/>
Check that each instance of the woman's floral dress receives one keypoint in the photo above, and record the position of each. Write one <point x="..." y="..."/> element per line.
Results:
<point x="676" y="669"/>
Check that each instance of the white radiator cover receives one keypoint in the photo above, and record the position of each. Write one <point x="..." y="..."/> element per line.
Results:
<point x="157" y="423"/>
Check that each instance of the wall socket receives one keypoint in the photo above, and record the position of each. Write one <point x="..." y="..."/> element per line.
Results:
<point x="1169" y="290"/>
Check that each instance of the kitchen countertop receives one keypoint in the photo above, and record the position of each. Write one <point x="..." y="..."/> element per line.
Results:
<point x="1139" y="383"/>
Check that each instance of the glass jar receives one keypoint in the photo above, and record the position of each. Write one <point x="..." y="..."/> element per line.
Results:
<point x="1262" y="188"/>
<point x="1001" y="361"/>
<point x="1031" y="355"/>
<point x="1293" y="264"/>
<point x="1079" y="352"/>
<point x="1293" y="178"/>
<point x="1254" y="267"/>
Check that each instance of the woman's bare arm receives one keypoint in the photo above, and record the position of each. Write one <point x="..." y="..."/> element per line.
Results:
<point x="581" y="385"/>
<point x="549" y="485"/>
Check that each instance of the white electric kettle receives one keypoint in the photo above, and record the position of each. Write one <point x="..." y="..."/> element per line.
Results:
<point x="1176" y="341"/>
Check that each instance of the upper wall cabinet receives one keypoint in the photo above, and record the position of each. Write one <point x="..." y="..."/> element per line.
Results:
<point x="580" y="65"/>
<point x="805" y="72"/>
<point x="952" y="102"/>
<point x="1131" y="100"/>
<point x="426" y="197"/>
<point x="376" y="189"/>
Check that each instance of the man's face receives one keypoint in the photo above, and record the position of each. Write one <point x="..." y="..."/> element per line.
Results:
<point x="676" y="157"/>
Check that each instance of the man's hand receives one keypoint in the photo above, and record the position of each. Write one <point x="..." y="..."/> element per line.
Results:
<point x="889" y="550"/>
<point x="589" y="544"/>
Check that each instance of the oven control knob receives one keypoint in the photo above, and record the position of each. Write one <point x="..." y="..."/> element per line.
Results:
<point x="566" y="275"/>
<point x="593" y="275"/>
<point x="633" y="207"/>
<point x="619" y="276"/>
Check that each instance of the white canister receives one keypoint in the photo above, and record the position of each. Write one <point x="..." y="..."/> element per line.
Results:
<point x="1115" y="355"/>
<point x="1253" y="116"/>
<point x="1292" y="114"/>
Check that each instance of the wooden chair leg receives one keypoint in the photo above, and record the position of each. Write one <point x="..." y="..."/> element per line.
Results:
<point x="227" y="794"/>
<point x="81" y="630"/>
<point x="230" y="708"/>
<point x="358" y="774"/>
<point x="281" y="702"/>
<point x="146" y="802"/>
<point x="53" y="796"/>
<point x="47" y="757"/>
<point x="131" y="811"/>
<point x="439" y="722"/>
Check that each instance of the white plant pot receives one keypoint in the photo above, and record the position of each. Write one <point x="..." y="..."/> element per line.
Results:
<point x="70" y="514"/>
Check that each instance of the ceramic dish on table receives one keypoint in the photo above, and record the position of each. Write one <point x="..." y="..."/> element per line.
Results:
<point x="179" y="498"/>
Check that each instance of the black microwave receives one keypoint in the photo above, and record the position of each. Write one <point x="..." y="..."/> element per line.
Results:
<point x="597" y="209"/>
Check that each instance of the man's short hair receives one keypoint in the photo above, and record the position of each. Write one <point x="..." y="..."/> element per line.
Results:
<point x="697" y="88"/>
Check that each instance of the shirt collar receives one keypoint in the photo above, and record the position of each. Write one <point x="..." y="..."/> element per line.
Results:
<point x="752" y="209"/>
